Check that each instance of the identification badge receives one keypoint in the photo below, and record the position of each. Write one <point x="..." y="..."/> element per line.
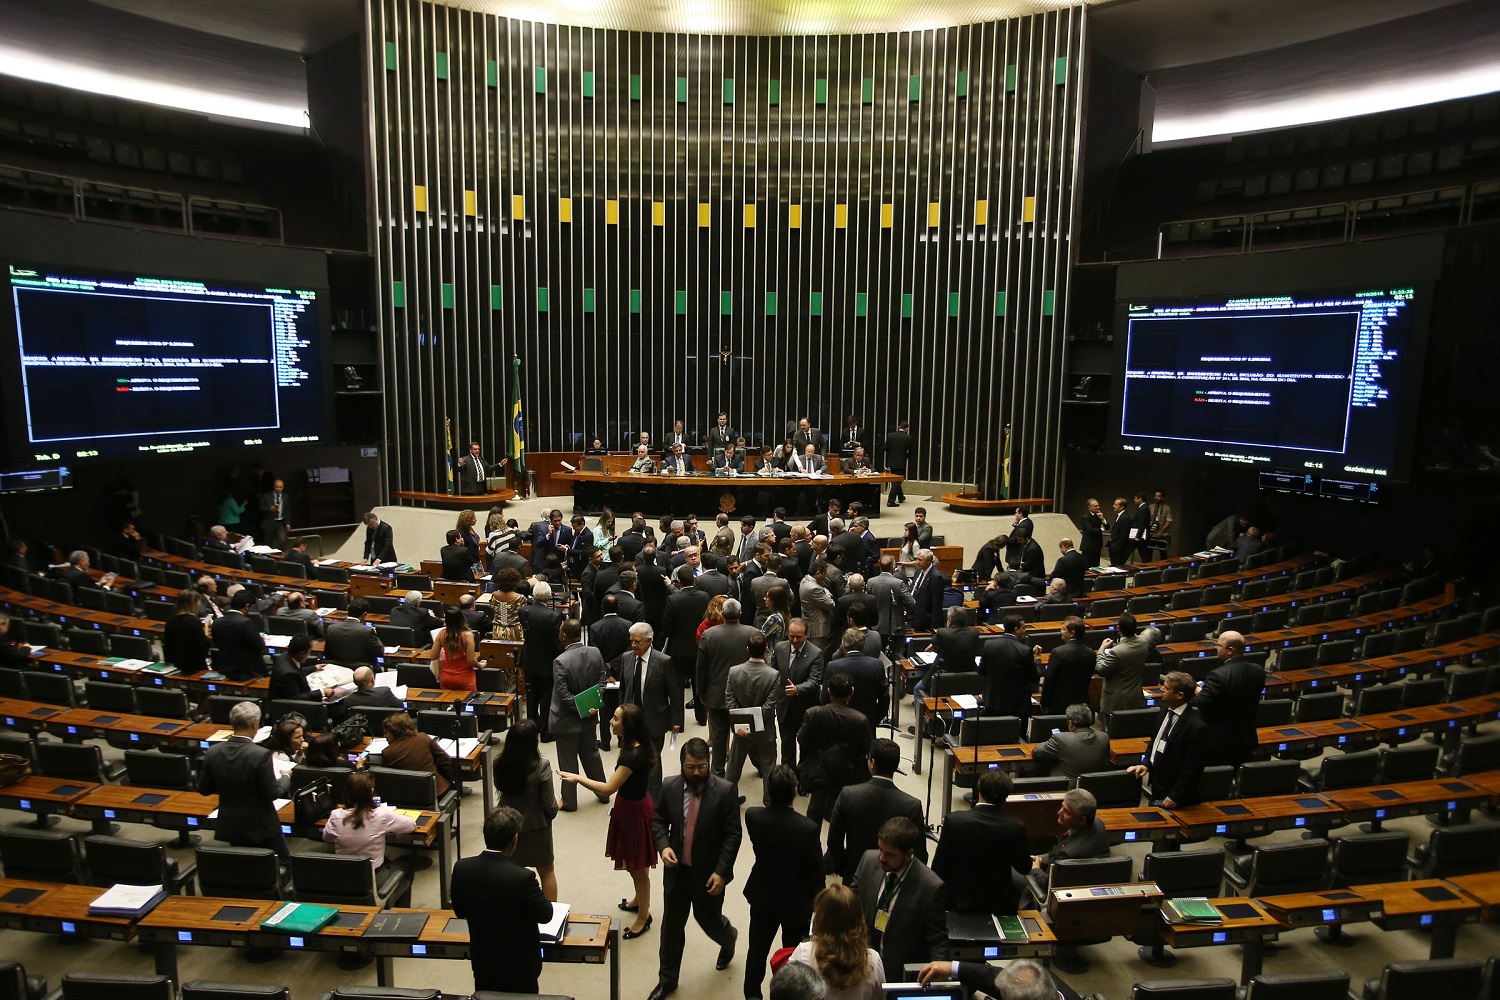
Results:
<point x="1160" y="748"/>
<point x="882" y="917"/>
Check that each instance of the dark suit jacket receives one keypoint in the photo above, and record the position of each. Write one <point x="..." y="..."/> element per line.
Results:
<point x="1070" y="668"/>
<point x="78" y="578"/>
<point x="661" y="699"/>
<point x="371" y="697"/>
<point x="239" y="651"/>
<point x="859" y="813"/>
<point x="1071" y="568"/>
<point x="1119" y="535"/>
<point x="420" y="752"/>
<point x="456" y="564"/>
<point x="956" y="648"/>
<point x="800" y="441"/>
<point x="503" y="904"/>
<point x="872" y="695"/>
<point x="721" y="648"/>
<point x="380" y="543"/>
<point x="975" y="856"/>
<point x="1027" y="558"/>
<point x="610" y="635"/>
<point x="468" y="472"/>
<point x="1009" y="671"/>
<point x="539" y="623"/>
<point x="1075" y="753"/>
<point x="288" y="681"/>
<point x="352" y="642"/>
<point x="712" y="583"/>
<point x="417" y="618"/>
<point x="918" y="928"/>
<point x="1227" y="702"/>
<point x="843" y="604"/>
<point x="897" y="447"/>
<point x="1174" y="774"/>
<point x="1091" y="533"/>
<point x="833" y="745"/>
<point x="928" y="598"/>
<point x="541" y="545"/>
<point x="788" y="869"/>
<point x="680" y="623"/>
<point x="240" y="773"/>
<point x="716" y="837"/>
<point x="722" y="461"/>
<point x="1089" y="842"/>
<point x="803" y="669"/>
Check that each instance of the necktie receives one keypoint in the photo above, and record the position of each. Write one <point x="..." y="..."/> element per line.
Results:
<point x="1166" y="730"/>
<point x="688" y="826"/>
<point x="888" y="893"/>
<point x="640" y="668"/>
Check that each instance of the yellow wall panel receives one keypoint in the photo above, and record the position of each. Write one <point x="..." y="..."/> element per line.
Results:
<point x="611" y="212"/>
<point x="471" y="205"/>
<point x="887" y="215"/>
<point x="934" y="213"/>
<point x="749" y="216"/>
<point x="794" y="216"/>
<point x="518" y="206"/>
<point x="841" y="217"/>
<point x="981" y="212"/>
<point x="565" y="210"/>
<point x="658" y="213"/>
<point x="705" y="214"/>
<point x="1028" y="209"/>
<point x="419" y="197"/>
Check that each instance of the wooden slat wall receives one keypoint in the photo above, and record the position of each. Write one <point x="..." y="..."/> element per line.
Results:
<point x="500" y="193"/>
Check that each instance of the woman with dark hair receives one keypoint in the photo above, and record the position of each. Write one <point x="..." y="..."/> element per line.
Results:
<point x="467" y="520"/>
<point x="184" y="639"/>
<point x="629" y="841"/>
<point x="524" y="779"/>
<point x="605" y="534"/>
<point x="506" y="603"/>
<point x="323" y="751"/>
<point x="456" y="652"/>
<point x="286" y="744"/>
<point x="713" y="614"/>
<point x="787" y="874"/>
<point x="415" y="751"/>
<point x="840" y="947"/>
<point x="361" y="827"/>
<point x="906" y="560"/>
<point x="779" y="604"/>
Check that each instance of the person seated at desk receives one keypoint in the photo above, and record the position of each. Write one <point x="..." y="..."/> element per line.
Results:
<point x="643" y="461"/>
<point x="455" y="556"/>
<point x="126" y="544"/>
<point x="296" y="607"/>
<point x="596" y="447"/>
<point x="1081" y="834"/>
<point x="1078" y="750"/>
<point x="351" y="641"/>
<point x="728" y="460"/>
<point x="809" y="462"/>
<point x="286" y="743"/>
<point x="367" y="695"/>
<point x="413" y="751"/>
<point x="677" y="463"/>
<point x="239" y="648"/>
<point x="218" y="538"/>
<point x="323" y="750"/>
<point x="76" y="572"/>
<point x="410" y="614"/>
<point x="298" y="554"/>
<point x="1022" y="979"/>
<point x="184" y="641"/>
<point x="360" y="828"/>
<point x="288" y="673"/>
<point x="13" y="649"/>
<point x="857" y="464"/>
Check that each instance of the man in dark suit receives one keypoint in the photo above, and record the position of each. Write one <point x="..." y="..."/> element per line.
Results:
<point x="1008" y="666"/>
<point x="861" y="810"/>
<point x="1092" y="530"/>
<point x="649" y="679"/>
<point x="1080" y="835"/>
<point x="980" y="848"/>
<point x="1024" y="559"/>
<point x="473" y="473"/>
<point x="713" y="581"/>
<point x="1077" y="750"/>
<point x="855" y="596"/>
<point x="1140" y="522"/>
<point x="380" y="541"/>
<point x="1120" y="544"/>
<point x="239" y="650"/>
<point x="627" y="605"/>
<point x="477" y="616"/>
<point x="76" y="573"/>
<point x="697" y="832"/>
<point x="455" y="558"/>
<point x="684" y="613"/>
<point x="351" y="641"/>
<point x="833" y="745"/>
<point x="610" y="635"/>
<point x="895" y="451"/>
<point x="957" y="646"/>
<point x="367" y="695"/>
<point x="273" y="515"/>
<point x="788" y="873"/>
<point x="576" y="669"/>
<point x="1228" y="699"/>
<point x="410" y="614"/>
<point x="800" y="664"/>
<point x="1022" y="979"/>
<point x="872" y="695"/>
<point x="1175" y="757"/>
<point x="298" y="554"/>
<point x="551" y="539"/>
<point x="1070" y="668"/>
<point x="927" y="593"/>
<point x="806" y="436"/>
<point x="287" y="679"/>
<point x="720" y="435"/>
<point x="296" y="608"/>
<point x="728" y="460"/>
<point x="677" y="462"/>
<point x="240" y="773"/>
<point x="905" y="903"/>
<point x="722" y="647"/>
<point x="1070" y="568"/>
<point x="503" y="904"/>
<point x="540" y="624"/>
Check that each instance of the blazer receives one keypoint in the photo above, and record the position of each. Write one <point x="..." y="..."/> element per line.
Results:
<point x="456" y="564"/>
<point x="833" y="745"/>
<point x="1119" y="530"/>
<point x="240" y="773"/>
<point x="957" y="648"/>
<point x="1070" y="669"/>
<point x="723" y="461"/>
<point x="503" y="904"/>
<point x="893" y="602"/>
<point x="872" y="695"/>
<point x="1009" y="671"/>
<point x="858" y="814"/>
<point x="661" y="697"/>
<point x="1089" y="842"/>
<point x="539" y="625"/>
<point x="1091" y="533"/>
<point x="1175" y="772"/>
<point x="718" y="437"/>
<point x="610" y="635"/>
<point x="680" y="621"/>
<point x="372" y="697"/>
<point x="917" y="931"/>
<point x="380" y="543"/>
<point x="288" y="681"/>
<point x="1075" y="753"/>
<point x="352" y="642"/>
<point x="538" y="803"/>
<point x="927" y="600"/>
<point x="817" y="608"/>
<point x="801" y="463"/>
<point x="239" y="650"/>
<point x="713" y="583"/>
<point x="183" y="643"/>
<point x="1122" y="666"/>
<point x="1227" y="702"/>
<point x="804" y="669"/>
<point x="721" y="648"/>
<point x="468" y="470"/>
<point x="417" y="618"/>
<point x="788" y="869"/>
<point x="575" y="670"/>
<point x="800" y="441"/>
<point x="420" y="753"/>
<point x="754" y="685"/>
<point x="1071" y="567"/>
<point x="542" y="545"/>
<point x="978" y="850"/>
<point x="716" y="837"/>
<point x="314" y="623"/>
<point x="897" y="447"/>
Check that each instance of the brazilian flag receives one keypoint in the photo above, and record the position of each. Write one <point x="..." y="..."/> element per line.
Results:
<point x="1005" y="466"/>
<point x="517" y="448"/>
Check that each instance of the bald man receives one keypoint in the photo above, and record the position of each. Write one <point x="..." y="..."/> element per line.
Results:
<point x="1227" y="699"/>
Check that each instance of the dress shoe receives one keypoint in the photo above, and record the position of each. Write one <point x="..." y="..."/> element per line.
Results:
<point x="726" y="952"/>
<point x="692" y="706"/>
<point x="625" y="905"/>
<point x="569" y="809"/>
<point x="661" y="992"/>
<point x="629" y="934"/>
<point x="742" y="800"/>
<point x="548" y="738"/>
<point x="603" y="799"/>
<point x="604" y="747"/>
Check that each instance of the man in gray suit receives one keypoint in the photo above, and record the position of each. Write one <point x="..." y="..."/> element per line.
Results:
<point x="1122" y="664"/>
<point x="809" y="461"/>
<point x="721" y="647"/>
<point x="754" y="685"/>
<point x="576" y="669"/>
<point x="649" y="679"/>
<point x="817" y="604"/>
<point x="296" y="607"/>
<point x="904" y="897"/>
<point x="1080" y="835"/>
<point x="800" y="665"/>
<point x="893" y="602"/>
<point x="1079" y="750"/>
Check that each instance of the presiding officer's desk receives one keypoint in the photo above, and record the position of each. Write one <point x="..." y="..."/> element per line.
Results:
<point x="737" y="495"/>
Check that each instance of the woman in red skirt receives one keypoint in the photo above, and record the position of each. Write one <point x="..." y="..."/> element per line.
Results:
<point x="629" y="842"/>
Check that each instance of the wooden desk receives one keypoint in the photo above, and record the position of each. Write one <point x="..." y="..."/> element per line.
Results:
<point x="1433" y="903"/>
<point x="455" y="501"/>
<point x="730" y="495"/>
<point x="45" y="797"/>
<point x="1379" y="670"/>
<point x="1140" y="824"/>
<point x="1040" y="942"/>
<point x="1333" y="908"/>
<point x="1412" y="798"/>
<point x="59" y="909"/>
<point x="1347" y="733"/>
<point x="1447" y="717"/>
<point x="1485" y="887"/>
<point x="1246" y="923"/>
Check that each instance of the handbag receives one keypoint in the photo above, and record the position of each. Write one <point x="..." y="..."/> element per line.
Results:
<point x="350" y="731"/>
<point x="313" y="802"/>
<point x="13" y="768"/>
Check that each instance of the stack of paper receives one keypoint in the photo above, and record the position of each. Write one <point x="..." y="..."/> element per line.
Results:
<point x="377" y="745"/>
<point x="277" y="641"/>
<point x="325" y="612"/>
<point x="965" y="701"/>
<point x="553" y="929"/>
<point x="127" y="901"/>
<point x="128" y="664"/>
<point x="924" y="659"/>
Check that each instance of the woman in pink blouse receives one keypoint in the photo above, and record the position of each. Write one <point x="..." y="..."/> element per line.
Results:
<point x="361" y="828"/>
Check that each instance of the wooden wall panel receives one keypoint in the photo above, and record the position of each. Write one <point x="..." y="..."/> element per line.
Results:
<point x="577" y="198"/>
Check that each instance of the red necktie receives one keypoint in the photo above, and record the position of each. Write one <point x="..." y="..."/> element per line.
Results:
<point x="688" y="826"/>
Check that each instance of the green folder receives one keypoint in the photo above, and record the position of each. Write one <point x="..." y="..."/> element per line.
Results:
<point x="299" y="918"/>
<point x="593" y="698"/>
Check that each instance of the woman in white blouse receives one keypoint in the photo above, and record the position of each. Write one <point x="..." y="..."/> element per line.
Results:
<point x="840" y="947"/>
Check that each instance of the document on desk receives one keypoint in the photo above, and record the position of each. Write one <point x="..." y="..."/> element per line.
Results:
<point x="396" y="925"/>
<point x="276" y="804"/>
<point x="277" y="641"/>
<point x="127" y="901"/>
<point x="924" y="659"/>
<point x="552" y="930"/>
<point x="967" y="702"/>
<point x="377" y="745"/>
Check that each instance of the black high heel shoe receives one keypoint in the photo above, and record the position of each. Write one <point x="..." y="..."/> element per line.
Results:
<point x="629" y="934"/>
<point x="628" y="908"/>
